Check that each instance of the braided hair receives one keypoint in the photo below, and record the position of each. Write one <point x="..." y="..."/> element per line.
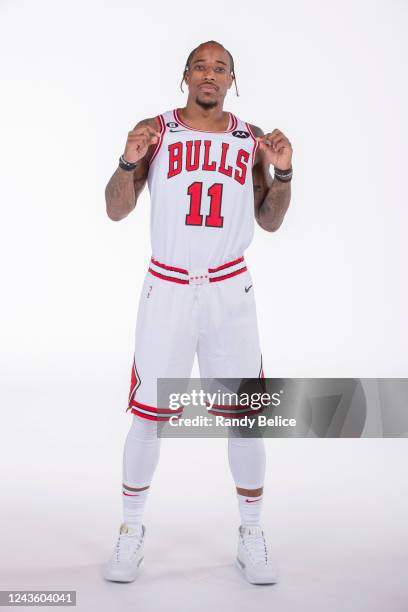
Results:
<point x="214" y="42"/>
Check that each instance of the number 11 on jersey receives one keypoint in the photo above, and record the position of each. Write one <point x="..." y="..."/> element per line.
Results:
<point x="214" y="218"/>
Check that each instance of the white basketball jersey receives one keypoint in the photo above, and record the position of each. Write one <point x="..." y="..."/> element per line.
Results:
<point x="202" y="200"/>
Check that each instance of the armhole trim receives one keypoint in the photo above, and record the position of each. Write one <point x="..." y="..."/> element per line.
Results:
<point x="234" y="123"/>
<point x="256" y="144"/>
<point x="159" y="143"/>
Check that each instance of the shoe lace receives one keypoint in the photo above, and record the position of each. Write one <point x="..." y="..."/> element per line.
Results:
<point x="126" y="546"/>
<point x="256" y="547"/>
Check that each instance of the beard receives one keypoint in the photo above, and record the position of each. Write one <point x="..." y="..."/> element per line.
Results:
<point x="206" y="104"/>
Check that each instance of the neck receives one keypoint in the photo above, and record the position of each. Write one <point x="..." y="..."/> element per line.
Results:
<point x="199" y="116"/>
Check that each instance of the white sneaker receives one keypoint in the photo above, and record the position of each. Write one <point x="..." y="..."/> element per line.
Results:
<point x="124" y="564"/>
<point x="252" y="557"/>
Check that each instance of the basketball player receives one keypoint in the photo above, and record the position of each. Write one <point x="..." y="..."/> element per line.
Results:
<point x="208" y="177"/>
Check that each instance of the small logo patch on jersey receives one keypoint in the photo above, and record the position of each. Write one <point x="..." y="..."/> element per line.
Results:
<point x="247" y="288"/>
<point x="177" y="130"/>
<point x="240" y="134"/>
<point x="172" y="124"/>
<point x="149" y="292"/>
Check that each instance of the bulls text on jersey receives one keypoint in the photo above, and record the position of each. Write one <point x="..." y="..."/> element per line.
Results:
<point x="182" y="157"/>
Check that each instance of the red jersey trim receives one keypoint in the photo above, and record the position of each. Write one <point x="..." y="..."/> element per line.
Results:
<point x="168" y="411"/>
<point x="169" y="278"/>
<point x="135" y="381"/>
<point x="171" y="268"/>
<point x="232" y="120"/>
<point x="226" y="265"/>
<point x="220" y="278"/>
<point x="159" y="143"/>
<point x="256" y="143"/>
<point x="182" y="281"/>
<point x="148" y="416"/>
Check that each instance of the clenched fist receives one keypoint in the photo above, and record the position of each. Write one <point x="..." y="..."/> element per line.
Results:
<point x="138" y="141"/>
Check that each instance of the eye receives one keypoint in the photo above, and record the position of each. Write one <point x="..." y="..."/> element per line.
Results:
<point x="219" y="69"/>
<point x="198" y="67"/>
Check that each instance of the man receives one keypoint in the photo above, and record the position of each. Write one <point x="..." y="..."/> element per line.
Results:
<point x="208" y="176"/>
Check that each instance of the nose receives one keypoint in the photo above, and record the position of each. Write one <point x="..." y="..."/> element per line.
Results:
<point x="208" y="72"/>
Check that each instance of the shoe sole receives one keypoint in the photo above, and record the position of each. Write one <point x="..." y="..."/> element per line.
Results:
<point x="130" y="579"/>
<point x="252" y="580"/>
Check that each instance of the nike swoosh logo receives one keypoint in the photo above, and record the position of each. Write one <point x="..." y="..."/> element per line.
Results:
<point x="247" y="288"/>
<point x="251" y="501"/>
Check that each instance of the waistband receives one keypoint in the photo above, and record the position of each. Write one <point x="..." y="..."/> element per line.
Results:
<point x="197" y="276"/>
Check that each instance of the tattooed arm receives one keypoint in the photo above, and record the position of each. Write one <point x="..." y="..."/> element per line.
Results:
<point x="125" y="186"/>
<point x="271" y="197"/>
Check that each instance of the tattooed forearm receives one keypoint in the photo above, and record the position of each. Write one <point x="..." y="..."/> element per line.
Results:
<point x="272" y="210"/>
<point x="120" y="195"/>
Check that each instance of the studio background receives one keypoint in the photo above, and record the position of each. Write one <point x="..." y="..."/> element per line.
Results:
<point x="330" y="289"/>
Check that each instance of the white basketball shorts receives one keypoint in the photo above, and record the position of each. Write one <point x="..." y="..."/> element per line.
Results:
<point x="181" y="313"/>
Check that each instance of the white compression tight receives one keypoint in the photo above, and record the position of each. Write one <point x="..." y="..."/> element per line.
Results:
<point x="246" y="456"/>
<point x="247" y="460"/>
<point x="141" y="453"/>
<point x="140" y="458"/>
